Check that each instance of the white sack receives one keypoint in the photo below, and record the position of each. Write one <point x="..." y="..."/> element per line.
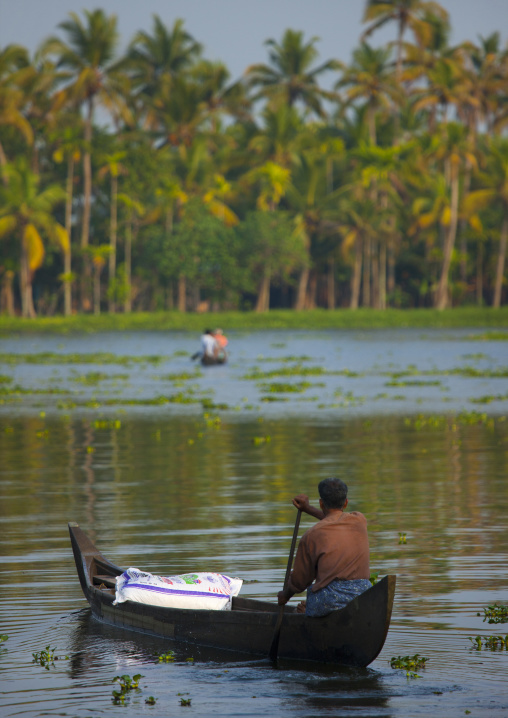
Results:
<point x="192" y="590"/>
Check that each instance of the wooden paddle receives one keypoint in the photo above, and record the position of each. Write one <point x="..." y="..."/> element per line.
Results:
<point x="274" y="648"/>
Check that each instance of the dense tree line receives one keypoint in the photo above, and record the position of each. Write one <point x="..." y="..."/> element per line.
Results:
<point x="151" y="181"/>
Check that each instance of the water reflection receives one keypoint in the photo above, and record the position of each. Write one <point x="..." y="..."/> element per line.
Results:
<point x="174" y="491"/>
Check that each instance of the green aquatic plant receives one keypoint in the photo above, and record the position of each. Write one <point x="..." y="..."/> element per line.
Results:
<point x="279" y="387"/>
<point x="490" y="336"/>
<point x="107" y="424"/>
<point x="495" y="613"/>
<point x="91" y="358"/>
<point x="489" y="398"/>
<point x="5" y="379"/>
<point x="256" y="440"/>
<point x="168" y="657"/>
<point x="46" y="658"/>
<point x="347" y="399"/>
<point x="440" y="421"/>
<point x="297" y="370"/>
<point x="373" y="578"/>
<point x="213" y="405"/>
<point x="126" y="685"/>
<point x="92" y="378"/>
<point x="402" y="537"/>
<point x="410" y="664"/>
<point x="185" y="701"/>
<point x="490" y="642"/>
<point x="4" y="637"/>
<point x="412" y="382"/>
<point x="182" y="376"/>
<point x="151" y="701"/>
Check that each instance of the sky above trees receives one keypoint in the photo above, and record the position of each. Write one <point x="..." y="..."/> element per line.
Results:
<point x="234" y="31"/>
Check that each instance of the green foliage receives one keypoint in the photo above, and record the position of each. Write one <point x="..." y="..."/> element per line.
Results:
<point x="126" y="685"/>
<point x="46" y="657"/>
<point x="492" y="643"/>
<point x="168" y="657"/>
<point x="410" y="664"/>
<point x="495" y="613"/>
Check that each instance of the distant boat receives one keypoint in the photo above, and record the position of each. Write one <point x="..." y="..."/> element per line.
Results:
<point x="211" y="361"/>
<point x="353" y="635"/>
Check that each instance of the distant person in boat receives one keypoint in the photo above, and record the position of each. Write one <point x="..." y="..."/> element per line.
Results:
<point x="209" y="345"/>
<point x="220" y="338"/>
<point x="332" y="561"/>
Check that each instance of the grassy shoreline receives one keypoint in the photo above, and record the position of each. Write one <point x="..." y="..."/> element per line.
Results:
<point x="465" y="317"/>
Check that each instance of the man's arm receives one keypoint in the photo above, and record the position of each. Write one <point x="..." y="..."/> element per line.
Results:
<point x="302" y="502"/>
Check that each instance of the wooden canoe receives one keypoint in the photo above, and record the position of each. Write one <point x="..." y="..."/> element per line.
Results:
<point x="212" y="361"/>
<point x="353" y="635"/>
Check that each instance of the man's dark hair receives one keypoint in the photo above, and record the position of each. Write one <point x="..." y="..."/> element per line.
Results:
<point x="333" y="493"/>
<point x="207" y="331"/>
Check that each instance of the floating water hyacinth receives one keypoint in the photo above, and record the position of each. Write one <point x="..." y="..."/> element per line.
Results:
<point x="495" y="613"/>
<point x="126" y="684"/>
<point x="410" y="664"/>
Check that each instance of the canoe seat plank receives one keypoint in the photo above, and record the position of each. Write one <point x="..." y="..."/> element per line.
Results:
<point x="108" y="581"/>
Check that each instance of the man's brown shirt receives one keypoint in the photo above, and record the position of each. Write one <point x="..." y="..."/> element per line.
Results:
<point x="335" y="547"/>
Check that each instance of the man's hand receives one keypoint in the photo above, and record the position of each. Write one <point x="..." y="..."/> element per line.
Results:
<point x="284" y="595"/>
<point x="302" y="503"/>
<point x="282" y="599"/>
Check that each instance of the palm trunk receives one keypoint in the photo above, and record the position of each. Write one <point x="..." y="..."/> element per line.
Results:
<point x="357" y="276"/>
<point x="331" y="283"/>
<point x="302" y="289"/>
<point x="68" y="229"/>
<point x="382" y="276"/>
<point x="500" y="263"/>
<point x="310" y="300"/>
<point x="182" y="293"/>
<point x="97" y="289"/>
<point x="366" y="272"/>
<point x="442" y="290"/>
<point x="371" y="121"/>
<point x="479" y="274"/>
<point x="112" y="240"/>
<point x="3" y="162"/>
<point x="7" y="301"/>
<point x="87" y="205"/>
<point x="127" y="305"/>
<point x="27" y="308"/>
<point x="375" y="274"/>
<point x="263" y="300"/>
<point x="462" y="230"/>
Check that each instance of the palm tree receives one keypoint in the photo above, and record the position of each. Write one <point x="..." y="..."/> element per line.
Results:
<point x="494" y="192"/>
<point x="451" y="146"/>
<point x="68" y="138"/>
<point x="272" y="181"/>
<point x="13" y="64"/>
<point x="113" y="167"/>
<point x="411" y="14"/>
<point x="381" y="171"/>
<point x="27" y="211"/>
<point x="91" y="78"/>
<point x="153" y="60"/>
<point x="369" y="78"/>
<point x="290" y="78"/>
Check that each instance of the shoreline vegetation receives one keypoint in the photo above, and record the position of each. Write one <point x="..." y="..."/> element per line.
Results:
<point x="375" y="183"/>
<point x="316" y="319"/>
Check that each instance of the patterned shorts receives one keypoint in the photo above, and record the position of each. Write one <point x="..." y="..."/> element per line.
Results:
<point x="336" y="595"/>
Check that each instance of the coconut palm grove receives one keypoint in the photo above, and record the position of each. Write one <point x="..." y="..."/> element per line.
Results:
<point x="152" y="181"/>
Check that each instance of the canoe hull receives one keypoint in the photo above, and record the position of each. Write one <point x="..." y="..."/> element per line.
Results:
<point x="353" y="636"/>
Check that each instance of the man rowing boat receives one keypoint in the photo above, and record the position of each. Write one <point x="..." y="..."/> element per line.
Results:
<point x="332" y="561"/>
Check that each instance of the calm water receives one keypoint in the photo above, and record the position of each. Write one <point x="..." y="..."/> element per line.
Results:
<point x="163" y="482"/>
